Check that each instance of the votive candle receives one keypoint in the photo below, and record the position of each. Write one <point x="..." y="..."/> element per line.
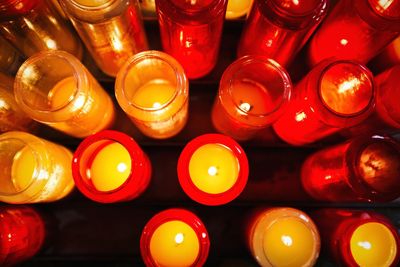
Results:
<point x="213" y="169"/>
<point x="110" y="167"/>
<point x="174" y="237"/>
<point x="33" y="169"/>
<point x="153" y="90"/>
<point x="54" y="88"/>
<point x="253" y="93"/>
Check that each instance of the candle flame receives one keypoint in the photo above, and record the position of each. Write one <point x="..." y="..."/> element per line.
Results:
<point x="212" y="171"/>
<point x="300" y="116"/>
<point x="344" y="41"/>
<point x="385" y="4"/>
<point x="121" y="167"/>
<point x="287" y="240"/>
<point x="349" y="85"/>
<point x="4" y="105"/>
<point x="365" y="245"/>
<point x="179" y="237"/>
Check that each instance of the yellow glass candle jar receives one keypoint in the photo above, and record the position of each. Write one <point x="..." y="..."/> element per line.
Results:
<point x="153" y="90"/>
<point x="33" y="169"/>
<point x="54" y="88"/>
<point x="112" y="30"/>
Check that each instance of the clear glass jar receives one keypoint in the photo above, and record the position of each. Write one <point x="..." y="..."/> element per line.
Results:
<point x="54" y="88"/>
<point x="112" y="30"/>
<point x="34" y="25"/>
<point x="153" y="91"/>
<point x="33" y="169"/>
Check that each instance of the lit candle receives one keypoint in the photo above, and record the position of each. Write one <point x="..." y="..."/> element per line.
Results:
<point x="283" y="237"/>
<point x="358" y="238"/>
<point x="237" y="8"/>
<point x="54" y="88"/>
<point x="363" y="169"/>
<point x="11" y="116"/>
<point x="213" y="169"/>
<point x="153" y="90"/>
<point x="173" y="238"/>
<point x="279" y="29"/>
<point x="35" y="170"/>
<point x="111" y="30"/>
<point x="110" y="167"/>
<point x="253" y="93"/>
<point x="356" y="30"/>
<point x="334" y="95"/>
<point x="33" y="26"/>
<point x="22" y="234"/>
<point x="186" y="35"/>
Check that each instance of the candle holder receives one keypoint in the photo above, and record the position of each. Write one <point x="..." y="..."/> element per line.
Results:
<point x="279" y="29"/>
<point x="238" y="8"/>
<point x="253" y="93"/>
<point x="110" y="167"/>
<point x="153" y="90"/>
<point x="22" y="234"/>
<point x="334" y="95"/>
<point x="112" y="30"/>
<point x="356" y="30"/>
<point x="174" y="237"/>
<point x="358" y="238"/>
<point x="11" y="116"/>
<point x="54" y="88"/>
<point x="363" y="169"/>
<point x="33" y="26"/>
<point x="213" y="169"/>
<point x="191" y="32"/>
<point x="33" y="169"/>
<point x="283" y="237"/>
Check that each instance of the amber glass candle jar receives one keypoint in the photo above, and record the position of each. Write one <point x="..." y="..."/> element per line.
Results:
<point x="191" y="32"/>
<point x="22" y="234"/>
<point x="112" y="30"/>
<point x="358" y="238"/>
<point x="253" y="93"/>
<point x="11" y="115"/>
<point x="363" y="169"/>
<point x="33" y="26"/>
<point x="334" y="95"/>
<point x="54" y="88"/>
<point x="153" y="90"/>
<point x="10" y="59"/>
<point x="356" y="30"/>
<point x="279" y="29"/>
<point x="283" y="237"/>
<point x="33" y="169"/>
<point x="111" y="167"/>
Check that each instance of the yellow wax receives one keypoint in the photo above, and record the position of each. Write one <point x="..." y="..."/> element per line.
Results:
<point x="237" y="8"/>
<point x="91" y="3"/>
<point x="62" y="93"/>
<point x="154" y="94"/>
<point x="213" y="168"/>
<point x="373" y="245"/>
<point x="289" y="242"/>
<point x="23" y="169"/>
<point x="111" y="167"/>
<point x="174" y="244"/>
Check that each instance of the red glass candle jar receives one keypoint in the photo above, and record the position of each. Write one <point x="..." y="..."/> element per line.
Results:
<point x="33" y="26"/>
<point x="174" y="237"/>
<point x="363" y="169"/>
<point x="253" y="93"/>
<point x="334" y="95"/>
<point x="110" y="167"/>
<point x="22" y="233"/>
<point x="112" y="30"/>
<point x="358" y="238"/>
<point x="389" y="57"/>
<point x="213" y="169"/>
<point x="356" y="30"/>
<point x="279" y="29"/>
<point x="283" y="237"/>
<point x="191" y="32"/>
